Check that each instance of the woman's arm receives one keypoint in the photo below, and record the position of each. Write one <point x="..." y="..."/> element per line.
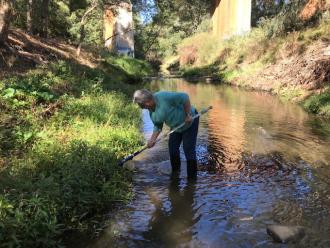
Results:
<point x="187" y="110"/>
<point x="153" y="138"/>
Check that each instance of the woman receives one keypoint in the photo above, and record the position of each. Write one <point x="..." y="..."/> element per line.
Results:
<point x="172" y="108"/>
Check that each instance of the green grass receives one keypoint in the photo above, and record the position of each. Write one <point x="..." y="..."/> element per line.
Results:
<point x="289" y="93"/>
<point x="126" y="69"/>
<point x="62" y="130"/>
<point x="319" y="104"/>
<point x="196" y="72"/>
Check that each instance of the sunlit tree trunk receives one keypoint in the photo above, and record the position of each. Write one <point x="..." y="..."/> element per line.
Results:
<point x="5" y="15"/>
<point x="29" y="16"/>
<point x="108" y="26"/>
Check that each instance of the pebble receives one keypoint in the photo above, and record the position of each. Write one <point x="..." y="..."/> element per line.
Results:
<point x="285" y="234"/>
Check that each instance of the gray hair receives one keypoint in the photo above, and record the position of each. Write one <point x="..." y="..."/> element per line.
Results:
<point x="141" y="96"/>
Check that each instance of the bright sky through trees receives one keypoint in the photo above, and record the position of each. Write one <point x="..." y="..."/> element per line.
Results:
<point x="148" y="10"/>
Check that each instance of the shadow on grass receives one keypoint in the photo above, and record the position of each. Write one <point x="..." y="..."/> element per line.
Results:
<point x="210" y="73"/>
<point x="60" y="191"/>
<point x="51" y="185"/>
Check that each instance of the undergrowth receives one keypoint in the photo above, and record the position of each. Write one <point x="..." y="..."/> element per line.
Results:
<point x="63" y="129"/>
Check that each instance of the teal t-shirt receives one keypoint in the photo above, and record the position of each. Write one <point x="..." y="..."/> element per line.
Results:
<point x="170" y="110"/>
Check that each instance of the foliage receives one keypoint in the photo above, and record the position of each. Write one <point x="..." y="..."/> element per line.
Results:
<point x="63" y="129"/>
<point x="134" y="69"/>
<point x="64" y="19"/>
<point x="289" y="93"/>
<point x="265" y="9"/>
<point x="204" y="71"/>
<point x="163" y="26"/>
<point x="319" y="104"/>
<point x="93" y="28"/>
<point x="262" y="45"/>
<point x="287" y="20"/>
<point x="205" y="43"/>
<point x="171" y="23"/>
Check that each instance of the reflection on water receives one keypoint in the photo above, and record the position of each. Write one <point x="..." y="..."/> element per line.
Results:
<point x="171" y="222"/>
<point x="261" y="162"/>
<point x="226" y="144"/>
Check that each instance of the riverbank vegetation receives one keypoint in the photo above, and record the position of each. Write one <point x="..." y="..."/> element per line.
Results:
<point x="284" y="54"/>
<point x="63" y="129"/>
<point x="65" y="121"/>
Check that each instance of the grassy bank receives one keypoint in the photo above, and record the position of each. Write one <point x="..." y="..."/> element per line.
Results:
<point x="288" y="62"/>
<point x="63" y="128"/>
<point x="319" y="104"/>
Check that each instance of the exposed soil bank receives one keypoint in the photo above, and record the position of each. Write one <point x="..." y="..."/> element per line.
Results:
<point x="309" y="71"/>
<point x="302" y="78"/>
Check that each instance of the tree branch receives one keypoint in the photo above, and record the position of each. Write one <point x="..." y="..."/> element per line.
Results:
<point x="126" y="31"/>
<point x="83" y="23"/>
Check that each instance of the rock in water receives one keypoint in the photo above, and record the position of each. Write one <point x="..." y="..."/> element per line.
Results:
<point x="130" y="165"/>
<point x="285" y="234"/>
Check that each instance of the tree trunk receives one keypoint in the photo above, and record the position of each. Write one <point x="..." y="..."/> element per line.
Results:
<point x="29" y="16"/>
<point x="44" y="17"/>
<point x="5" y="15"/>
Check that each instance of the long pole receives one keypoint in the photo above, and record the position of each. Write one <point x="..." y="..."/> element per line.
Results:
<point x="131" y="156"/>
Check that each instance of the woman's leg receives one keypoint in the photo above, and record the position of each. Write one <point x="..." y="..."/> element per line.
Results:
<point x="174" y="143"/>
<point x="189" y="138"/>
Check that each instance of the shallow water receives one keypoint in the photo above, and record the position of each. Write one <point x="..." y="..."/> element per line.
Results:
<point x="261" y="162"/>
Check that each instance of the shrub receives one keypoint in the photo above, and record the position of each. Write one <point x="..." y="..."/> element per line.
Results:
<point x="287" y="20"/>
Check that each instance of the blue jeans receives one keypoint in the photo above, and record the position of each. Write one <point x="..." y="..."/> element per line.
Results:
<point x="188" y="137"/>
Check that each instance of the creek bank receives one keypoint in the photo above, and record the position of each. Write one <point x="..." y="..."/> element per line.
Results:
<point x="288" y="81"/>
<point x="63" y="127"/>
<point x="294" y="65"/>
<point x="300" y="78"/>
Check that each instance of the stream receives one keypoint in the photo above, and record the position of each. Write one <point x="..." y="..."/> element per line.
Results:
<point x="261" y="162"/>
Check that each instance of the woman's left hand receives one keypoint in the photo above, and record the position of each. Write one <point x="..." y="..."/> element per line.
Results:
<point x="188" y="119"/>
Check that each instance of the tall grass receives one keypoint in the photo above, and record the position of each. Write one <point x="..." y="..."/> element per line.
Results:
<point x="63" y="129"/>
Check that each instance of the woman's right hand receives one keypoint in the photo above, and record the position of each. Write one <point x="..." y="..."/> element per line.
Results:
<point x="153" y="139"/>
